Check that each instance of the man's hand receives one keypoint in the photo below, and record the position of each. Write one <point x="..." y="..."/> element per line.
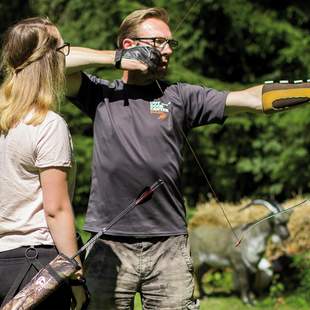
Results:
<point x="149" y="58"/>
<point x="80" y="298"/>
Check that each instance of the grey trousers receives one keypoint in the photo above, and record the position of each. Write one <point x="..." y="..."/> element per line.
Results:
<point x="159" y="268"/>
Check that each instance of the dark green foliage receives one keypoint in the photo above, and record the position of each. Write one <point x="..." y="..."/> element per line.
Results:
<point x="227" y="44"/>
<point x="218" y="282"/>
<point x="11" y="11"/>
<point x="83" y="154"/>
<point x="249" y="41"/>
<point x="302" y="262"/>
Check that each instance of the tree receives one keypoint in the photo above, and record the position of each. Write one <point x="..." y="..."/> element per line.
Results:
<point x="227" y="44"/>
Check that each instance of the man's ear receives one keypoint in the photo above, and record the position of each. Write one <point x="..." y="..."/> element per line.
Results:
<point x="127" y="43"/>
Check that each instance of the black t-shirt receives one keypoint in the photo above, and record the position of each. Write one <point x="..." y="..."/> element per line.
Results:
<point x="137" y="140"/>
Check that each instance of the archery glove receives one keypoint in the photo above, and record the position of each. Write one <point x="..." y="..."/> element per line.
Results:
<point x="148" y="55"/>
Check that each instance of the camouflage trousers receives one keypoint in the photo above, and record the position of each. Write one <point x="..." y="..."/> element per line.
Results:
<point x="160" y="269"/>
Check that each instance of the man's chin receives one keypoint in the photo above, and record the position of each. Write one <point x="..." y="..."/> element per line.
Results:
<point x="160" y="73"/>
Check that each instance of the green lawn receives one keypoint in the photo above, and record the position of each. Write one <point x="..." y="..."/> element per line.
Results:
<point x="234" y="303"/>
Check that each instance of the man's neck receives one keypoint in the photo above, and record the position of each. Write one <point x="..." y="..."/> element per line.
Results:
<point x="137" y="78"/>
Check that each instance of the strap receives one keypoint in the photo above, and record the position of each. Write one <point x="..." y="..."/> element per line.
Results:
<point x="32" y="260"/>
<point x="53" y="273"/>
<point x="118" y="58"/>
<point x="16" y="284"/>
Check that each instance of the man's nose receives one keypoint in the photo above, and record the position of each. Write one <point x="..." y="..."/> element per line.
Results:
<point x="166" y="49"/>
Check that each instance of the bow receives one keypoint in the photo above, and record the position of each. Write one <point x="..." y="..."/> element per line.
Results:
<point x="245" y="232"/>
<point x="238" y="240"/>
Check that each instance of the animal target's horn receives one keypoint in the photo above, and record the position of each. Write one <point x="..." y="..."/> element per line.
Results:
<point x="271" y="206"/>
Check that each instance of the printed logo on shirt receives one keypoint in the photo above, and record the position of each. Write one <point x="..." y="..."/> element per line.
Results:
<point x="160" y="108"/>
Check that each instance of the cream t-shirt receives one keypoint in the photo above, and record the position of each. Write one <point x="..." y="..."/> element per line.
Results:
<point x="23" y="151"/>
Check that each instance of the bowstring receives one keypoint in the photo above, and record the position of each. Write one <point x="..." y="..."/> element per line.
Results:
<point x="238" y="240"/>
<point x="185" y="16"/>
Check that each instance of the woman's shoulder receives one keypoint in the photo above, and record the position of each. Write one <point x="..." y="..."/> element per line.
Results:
<point x="53" y="118"/>
<point x="53" y="122"/>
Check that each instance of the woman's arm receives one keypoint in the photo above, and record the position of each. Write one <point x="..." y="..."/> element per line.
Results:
<point x="60" y="219"/>
<point x="58" y="210"/>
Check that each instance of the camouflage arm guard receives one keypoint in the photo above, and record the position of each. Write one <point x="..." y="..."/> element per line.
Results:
<point x="43" y="283"/>
<point x="283" y="95"/>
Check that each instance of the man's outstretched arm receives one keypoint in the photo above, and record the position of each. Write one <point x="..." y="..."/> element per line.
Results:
<point x="248" y="100"/>
<point x="268" y="98"/>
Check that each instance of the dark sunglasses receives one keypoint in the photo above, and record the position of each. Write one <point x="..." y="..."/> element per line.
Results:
<point x="64" y="49"/>
<point x="159" y="42"/>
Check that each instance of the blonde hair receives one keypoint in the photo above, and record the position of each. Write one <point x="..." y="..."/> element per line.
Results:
<point x="34" y="72"/>
<point x="130" y="25"/>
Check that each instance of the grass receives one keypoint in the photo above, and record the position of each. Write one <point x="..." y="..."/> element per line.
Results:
<point x="292" y="302"/>
<point x="219" y="285"/>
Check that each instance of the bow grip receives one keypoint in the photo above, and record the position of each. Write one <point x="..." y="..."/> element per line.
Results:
<point x="284" y="95"/>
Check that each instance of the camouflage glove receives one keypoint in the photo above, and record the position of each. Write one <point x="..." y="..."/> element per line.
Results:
<point x="148" y="55"/>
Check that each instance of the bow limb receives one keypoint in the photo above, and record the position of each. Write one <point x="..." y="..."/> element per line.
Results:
<point x="251" y="226"/>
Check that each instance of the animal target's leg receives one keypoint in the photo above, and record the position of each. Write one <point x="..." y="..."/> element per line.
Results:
<point x="201" y="270"/>
<point x="243" y="283"/>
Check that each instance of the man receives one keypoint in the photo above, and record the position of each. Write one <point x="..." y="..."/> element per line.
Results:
<point x="139" y="124"/>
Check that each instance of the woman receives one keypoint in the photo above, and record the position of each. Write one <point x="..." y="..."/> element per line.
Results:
<point x="36" y="218"/>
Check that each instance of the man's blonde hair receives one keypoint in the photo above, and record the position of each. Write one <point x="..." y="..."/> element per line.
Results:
<point x="34" y="72"/>
<point x="130" y="25"/>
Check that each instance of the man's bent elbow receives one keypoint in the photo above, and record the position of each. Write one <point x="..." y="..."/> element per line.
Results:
<point x="73" y="83"/>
